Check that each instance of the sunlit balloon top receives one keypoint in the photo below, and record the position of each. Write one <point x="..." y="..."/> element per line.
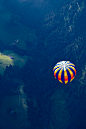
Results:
<point x="64" y="71"/>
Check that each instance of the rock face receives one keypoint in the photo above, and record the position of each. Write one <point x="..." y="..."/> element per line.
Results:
<point x="60" y="115"/>
<point x="60" y="36"/>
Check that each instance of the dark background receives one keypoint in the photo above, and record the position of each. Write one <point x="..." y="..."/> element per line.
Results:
<point x="60" y="30"/>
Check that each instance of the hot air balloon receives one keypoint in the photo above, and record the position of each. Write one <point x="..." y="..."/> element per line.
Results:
<point x="64" y="71"/>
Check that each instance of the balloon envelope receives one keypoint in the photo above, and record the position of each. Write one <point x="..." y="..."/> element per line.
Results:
<point x="64" y="71"/>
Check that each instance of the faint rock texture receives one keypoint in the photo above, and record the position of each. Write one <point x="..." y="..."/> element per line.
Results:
<point x="60" y="115"/>
<point x="35" y="3"/>
<point x="60" y="36"/>
<point x="63" y="38"/>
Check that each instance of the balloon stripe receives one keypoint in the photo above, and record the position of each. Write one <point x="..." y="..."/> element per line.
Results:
<point x="64" y="71"/>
